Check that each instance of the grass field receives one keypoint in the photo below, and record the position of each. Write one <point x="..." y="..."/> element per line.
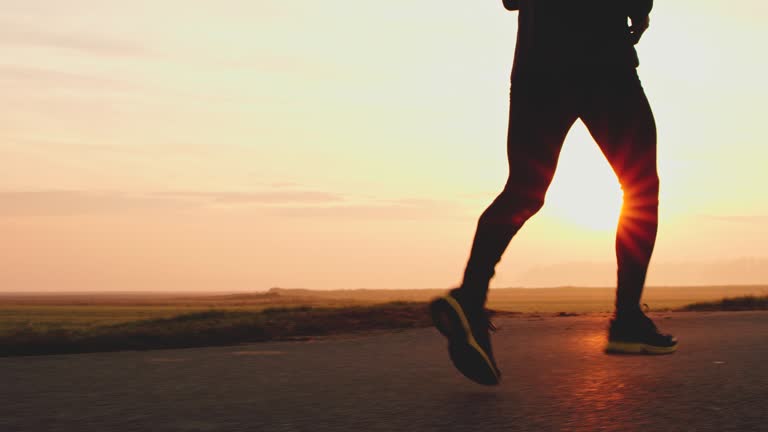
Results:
<point x="84" y="311"/>
<point x="209" y="328"/>
<point x="63" y="323"/>
<point x="53" y="317"/>
<point x="744" y="303"/>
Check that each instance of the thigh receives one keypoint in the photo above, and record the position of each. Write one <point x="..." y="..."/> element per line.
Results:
<point x="616" y="112"/>
<point x="540" y="114"/>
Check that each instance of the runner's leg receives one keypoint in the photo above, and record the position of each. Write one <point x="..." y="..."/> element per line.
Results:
<point x="618" y="115"/>
<point x="540" y="115"/>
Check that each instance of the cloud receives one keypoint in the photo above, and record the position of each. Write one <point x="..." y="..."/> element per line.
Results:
<point x="81" y="202"/>
<point x="277" y="201"/>
<point x="264" y="197"/>
<point x="83" y="43"/>
<point x="377" y="209"/>
<point x="741" y="219"/>
<point x="69" y="144"/>
<point x="285" y="184"/>
<point x="78" y="202"/>
<point x="61" y="78"/>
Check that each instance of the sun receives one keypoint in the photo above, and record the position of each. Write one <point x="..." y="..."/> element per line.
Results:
<point x="585" y="191"/>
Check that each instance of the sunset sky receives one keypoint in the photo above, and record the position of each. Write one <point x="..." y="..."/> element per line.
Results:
<point x="241" y="145"/>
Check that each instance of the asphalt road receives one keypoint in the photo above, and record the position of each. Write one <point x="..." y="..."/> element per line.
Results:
<point x="555" y="378"/>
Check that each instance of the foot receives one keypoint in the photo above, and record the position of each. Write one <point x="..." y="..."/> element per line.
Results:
<point x="469" y="342"/>
<point x="637" y="334"/>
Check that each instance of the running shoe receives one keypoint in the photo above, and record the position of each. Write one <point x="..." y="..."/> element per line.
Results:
<point x="637" y="334"/>
<point x="469" y="342"/>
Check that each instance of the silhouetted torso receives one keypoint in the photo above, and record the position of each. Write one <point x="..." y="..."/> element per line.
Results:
<point x="576" y="35"/>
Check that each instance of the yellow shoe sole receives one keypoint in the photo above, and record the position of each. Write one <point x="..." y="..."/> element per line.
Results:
<point x="617" y="347"/>
<point x="449" y="318"/>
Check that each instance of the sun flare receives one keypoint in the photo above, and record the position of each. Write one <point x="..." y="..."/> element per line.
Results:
<point x="585" y="191"/>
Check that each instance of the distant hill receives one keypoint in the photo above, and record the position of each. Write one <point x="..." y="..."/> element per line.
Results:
<point x="741" y="272"/>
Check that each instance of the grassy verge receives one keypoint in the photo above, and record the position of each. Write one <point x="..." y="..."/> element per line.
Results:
<point x="744" y="303"/>
<point x="211" y="328"/>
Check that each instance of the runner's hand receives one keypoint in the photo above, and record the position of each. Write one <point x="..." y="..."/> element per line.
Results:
<point x="638" y="27"/>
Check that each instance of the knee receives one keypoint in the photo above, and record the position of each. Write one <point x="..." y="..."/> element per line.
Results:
<point x="512" y="207"/>
<point x="642" y="192"/>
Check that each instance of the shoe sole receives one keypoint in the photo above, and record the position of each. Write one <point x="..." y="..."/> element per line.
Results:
<point x="617" y="347"/>
<point x="466" y="354"/>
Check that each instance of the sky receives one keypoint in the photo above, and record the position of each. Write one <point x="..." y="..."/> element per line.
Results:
<point x="242" y="145"/>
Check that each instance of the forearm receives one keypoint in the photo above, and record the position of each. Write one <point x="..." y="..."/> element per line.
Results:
<point x="511" y="4"/>
<point x="638" y="8"/>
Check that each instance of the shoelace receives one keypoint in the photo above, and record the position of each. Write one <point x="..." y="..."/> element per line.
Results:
<point x="648" y="321"/>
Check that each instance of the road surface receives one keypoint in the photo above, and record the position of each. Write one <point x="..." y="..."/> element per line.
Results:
<point x="555" y="377"/>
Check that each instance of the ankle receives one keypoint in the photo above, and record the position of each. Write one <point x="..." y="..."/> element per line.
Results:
<point x="628" y="312"/>
<point x="471" y="297"/>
